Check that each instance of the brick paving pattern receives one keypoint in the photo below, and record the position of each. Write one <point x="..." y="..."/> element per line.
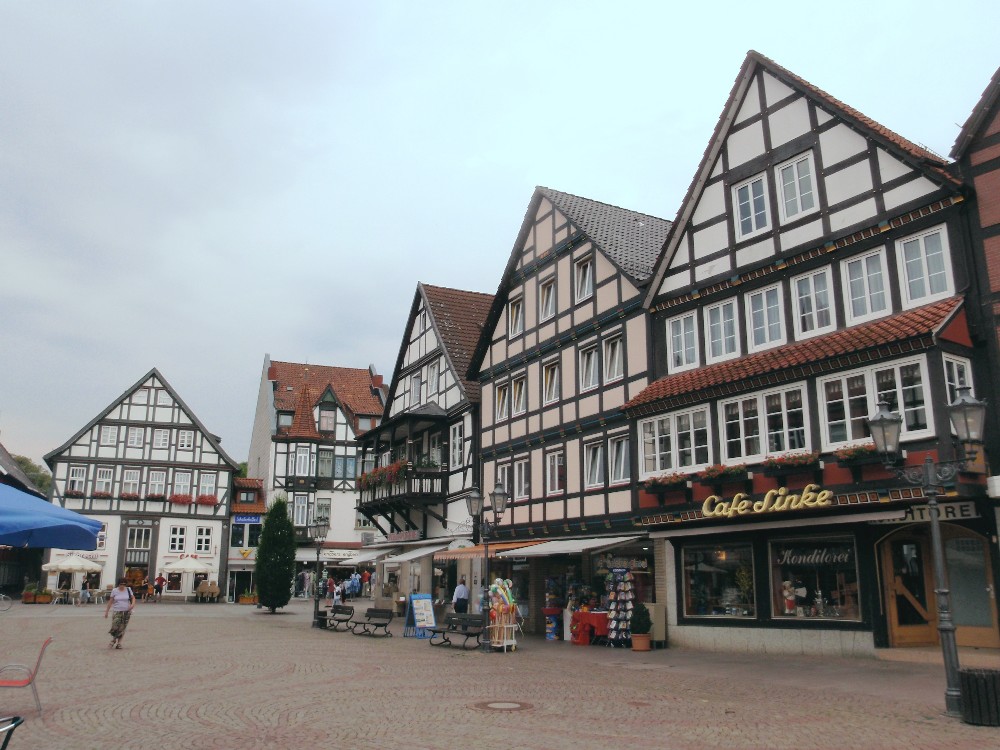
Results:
<point x="224" y="676"/>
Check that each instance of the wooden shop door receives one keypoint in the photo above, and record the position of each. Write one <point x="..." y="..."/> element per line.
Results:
<point x="909" y="590"/>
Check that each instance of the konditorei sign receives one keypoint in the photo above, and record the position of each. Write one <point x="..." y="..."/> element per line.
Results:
<point x="774" y="501"/>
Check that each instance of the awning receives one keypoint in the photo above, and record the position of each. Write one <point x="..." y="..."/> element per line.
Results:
<point x="413" y="554"/>
<point x="327" y="555"/>
<point x="369" y="555"/>
<point x="476" y="552"/>
<point x="888" y="515"/>
<point x="568" y="546"/>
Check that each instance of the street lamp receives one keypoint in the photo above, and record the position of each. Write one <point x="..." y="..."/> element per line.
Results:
<point x="317" y="531"/>
<point x="498" y="504"/>
<point x="967" y="416"/>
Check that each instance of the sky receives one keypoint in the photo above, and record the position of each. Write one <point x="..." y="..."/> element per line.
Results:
<point x="190" y="185"/>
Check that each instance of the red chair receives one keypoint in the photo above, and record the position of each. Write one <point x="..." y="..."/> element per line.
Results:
<point x="28" y="681"/>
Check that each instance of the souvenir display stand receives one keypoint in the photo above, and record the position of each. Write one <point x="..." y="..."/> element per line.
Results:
<point x="619" y="583"/>
<point x="503" y="616"/>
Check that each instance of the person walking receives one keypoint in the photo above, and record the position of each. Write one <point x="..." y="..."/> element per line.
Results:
<point x="85" y="591"/>
<point x="158" y="585"/>
<point x="122" y="600"/>
<point x="460" y="600"/>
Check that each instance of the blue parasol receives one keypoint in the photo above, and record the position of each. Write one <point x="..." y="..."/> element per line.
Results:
<point x="28" y="521"/>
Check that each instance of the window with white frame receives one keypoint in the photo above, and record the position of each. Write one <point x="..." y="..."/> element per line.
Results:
<point x="518" y="396"/>
<point x="590" y="373"/>
<point x="584" y="276"/>
<point x="302" y="461"/>
<point x="434" y="448"/>
<point x="795" y="183"/>
<point x="325" y="464"/>
<point x="550" y="382"/>
<point x="458" y="445"/>
<point x="925" y="267"/>
<point x="109" y="434"/>
<point x="674" y="442"/>
<point x="206" y="484"/>
<point x="762" y="424"/>
<point x="750" y="202"/>
<point x="134" y="439"/>
<point x="682" y="342"/>
<point x="284" y="419"/>
<point x="161" y="438"/>
<point x="327" y="420"/>
<point x="593" y="464"/>
<point x="957" y="374"/>
<point x="182" y="483"/>
<point x="503" y="476"/>
<point x="847" y="400"/>
<point x="362" y="521"/>
<point x="813" y="311"/>
<point x="515" y="317"/>
<point x="300" y="510"/>
<point x="864" y="285"/>
<point x="185" y="440"/>
<point x="203" y="539"/>
<point x="162" y="397"/>
<point x="503" y="401"/>
<point x="547" y="300"/>
<point x="339" y="467"/>
<point x="103" y="480"/>
<point x="522" y="479"/>
<point x="765" y="320"/>
<point x="102" y="537"/>
<point x="139" y="537"/>
<point x="721" y="333"/>
<point x="432" y="377"/>
<point x="77" y="481"/>
<point x="614" y="359"/>
<point x="555" y="473"/>
<point x="415" y="389"/>
<point x="130" y="482"/>
<point x="141" y="396"/>
<point x="618" y="459"/>
<point x="157" y="482"/>
<point x="177" y="538"/>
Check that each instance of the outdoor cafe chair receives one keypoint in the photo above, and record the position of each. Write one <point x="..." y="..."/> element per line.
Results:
<point x="29" y="679"/>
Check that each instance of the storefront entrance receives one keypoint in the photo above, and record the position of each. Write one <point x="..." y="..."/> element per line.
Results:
<point x="908" y="584"/>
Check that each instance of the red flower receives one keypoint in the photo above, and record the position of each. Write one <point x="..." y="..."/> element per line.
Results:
<point x="207" y="500"/>
<point x="181" y="499"/>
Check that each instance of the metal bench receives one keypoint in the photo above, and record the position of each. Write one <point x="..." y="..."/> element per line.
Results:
<point x="370" y="623"/>
<point x="455" y="624"/>
<point x="338" y="615"/>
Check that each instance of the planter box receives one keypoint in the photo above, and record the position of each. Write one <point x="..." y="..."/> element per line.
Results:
<point x="28" y="597"/>
<point x="43" y="598"/>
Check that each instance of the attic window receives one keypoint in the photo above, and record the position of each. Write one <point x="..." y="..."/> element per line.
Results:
<point x="289" y="388"/>
<point x="284" y="419"/>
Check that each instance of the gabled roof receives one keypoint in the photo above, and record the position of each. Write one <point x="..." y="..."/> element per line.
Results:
<point x="458" y="317"/>
<point x="934" y="167"/>
<point x="355" y="389"/>
<point x="12" y="473"/>
<point x="213" y="440"/>
<point x="976" y="119"/>
<point x="629" y="239"/>
<point x="786" y="363"/>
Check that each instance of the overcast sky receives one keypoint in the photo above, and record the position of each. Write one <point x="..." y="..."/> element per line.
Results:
<point x="191" y="185"/>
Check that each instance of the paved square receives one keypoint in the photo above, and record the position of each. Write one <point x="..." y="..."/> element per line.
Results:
<point x="227" y="676"/>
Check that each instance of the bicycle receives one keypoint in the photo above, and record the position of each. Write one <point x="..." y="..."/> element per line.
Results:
<point x="5" y="602"/>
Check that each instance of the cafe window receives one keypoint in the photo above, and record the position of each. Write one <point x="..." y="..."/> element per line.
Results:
<point x="677" y="441"/>
<point x="814" y="578"/>
<point x="177" y="536"/>
<point x="718" y="580"/>
<point x="203" y="539"/>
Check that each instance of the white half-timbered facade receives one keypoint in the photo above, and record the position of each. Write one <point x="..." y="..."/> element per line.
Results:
<point x="157" y="479"/>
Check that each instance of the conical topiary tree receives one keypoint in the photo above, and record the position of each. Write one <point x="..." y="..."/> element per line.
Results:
<point x="275" y="557"/>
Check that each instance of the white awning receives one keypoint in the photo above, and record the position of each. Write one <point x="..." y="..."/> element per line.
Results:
<point x="568" y="546"/>
<point x="369" y="555"/>
<point x="799" y="524"/>
<point x="413" y="554"/>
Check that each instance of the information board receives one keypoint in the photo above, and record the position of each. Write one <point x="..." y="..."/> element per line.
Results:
<point x="419" y="615"/>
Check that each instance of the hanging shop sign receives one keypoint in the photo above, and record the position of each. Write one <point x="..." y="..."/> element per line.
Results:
<point x="413" y="535"/>
<point x="774" y="501"/>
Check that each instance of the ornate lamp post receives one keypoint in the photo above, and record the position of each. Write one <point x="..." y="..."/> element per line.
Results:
<point x="967" y="416"/>
<point x="317" y="532"/>
<point x="498" y="504"/>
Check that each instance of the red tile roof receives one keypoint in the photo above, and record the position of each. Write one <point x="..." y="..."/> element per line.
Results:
<point x="248" y="483"/>
<point x="355" y="389"/>
<point x="797" y="359"/>
<point x="304" y="421"/>
<point x="459" y="317"/>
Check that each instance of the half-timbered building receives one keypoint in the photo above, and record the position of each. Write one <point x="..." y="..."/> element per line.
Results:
<point x="819" y="264"/>
<point x="425" y="450"/>
<point x="563" y="348"/>
<point x="304" y="448"/>
<point x="159" y="481"/>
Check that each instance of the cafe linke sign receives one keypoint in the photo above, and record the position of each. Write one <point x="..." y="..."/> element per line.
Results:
<point x="741" y="504"/>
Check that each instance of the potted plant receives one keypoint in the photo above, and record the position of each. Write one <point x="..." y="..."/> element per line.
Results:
<point x="790" y="463"/>
<point x="248" y="597"/>
<point x="43" y="596"/>
<point x="28" y="595"/>
<point x="639" y="625"/>
<point x="662" y="482"/>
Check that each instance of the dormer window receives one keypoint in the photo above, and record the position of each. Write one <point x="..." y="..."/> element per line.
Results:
<point x="284" y="419"/>
<point x="750" y="202"/>
<point x="327" y="420"/>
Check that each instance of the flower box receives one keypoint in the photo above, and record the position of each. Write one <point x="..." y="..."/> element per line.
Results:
<point x="73" y="493"/>
<point x="718" y="474"/>
<point x="207" y="500"/>
<point x="857" y="455"/>
<point x="383" y="476"/>
<point x="181" y="499"/>
<point x="791" y="463"/>
<point x="667" y="482"/>
<point x="156" y="496"/>
<point x="129" y="496"/>
<point x="101" y="495"/>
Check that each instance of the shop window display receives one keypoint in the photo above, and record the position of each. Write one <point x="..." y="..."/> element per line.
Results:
<point x="814" y="578"/>
<point x="718" y="581"/>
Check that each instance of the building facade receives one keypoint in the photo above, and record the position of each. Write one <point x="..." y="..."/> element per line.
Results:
<point x="159" y="481"/>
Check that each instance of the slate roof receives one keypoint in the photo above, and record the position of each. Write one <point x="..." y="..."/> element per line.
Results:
<point x="354" y="388"/>
<point x="800" y="358"/>
<point x="632" y="240"/>
<point x="14" y="474"/>
<point x="975" y="121"/>
<point x="458" y="318"/>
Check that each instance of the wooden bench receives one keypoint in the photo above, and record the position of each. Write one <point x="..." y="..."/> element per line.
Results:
<point x="338" y="615"/>
<point x="370" y="623"/>
<point x="466" y="625"/>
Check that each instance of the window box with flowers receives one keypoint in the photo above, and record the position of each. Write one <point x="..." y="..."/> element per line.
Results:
<point x="73" y="493"/>
<point x="719" y="474"/>
<point x="101" y="495"/>
<point x="791" y="463"/>
<point x="857" y="455"/>
<point x="669" y="489"/>
<point x="156" y="496"/>
<point x="129" y="496"/>
<point x="181" y="499"/>
<point x="207" y="500"/>
<point x="383" y="476"/>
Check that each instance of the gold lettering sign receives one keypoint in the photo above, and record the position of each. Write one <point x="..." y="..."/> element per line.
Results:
<point x="774" y="501"/>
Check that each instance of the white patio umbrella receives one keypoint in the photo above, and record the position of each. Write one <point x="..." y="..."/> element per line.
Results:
<point x="188" y="565"/>
<point x="73" y="564"/>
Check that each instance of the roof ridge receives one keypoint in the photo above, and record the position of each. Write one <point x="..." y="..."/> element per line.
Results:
<point x="603" y="203"/>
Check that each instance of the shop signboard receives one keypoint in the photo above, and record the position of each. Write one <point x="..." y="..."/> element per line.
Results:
<point x="947" y="512"/>
<point x="419" y="616"/>
<point x="247" y="518"/>
<point x="811" y="496"/>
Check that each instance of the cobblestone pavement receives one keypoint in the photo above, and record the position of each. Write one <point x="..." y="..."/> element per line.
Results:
<point x="227" y="676"/>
